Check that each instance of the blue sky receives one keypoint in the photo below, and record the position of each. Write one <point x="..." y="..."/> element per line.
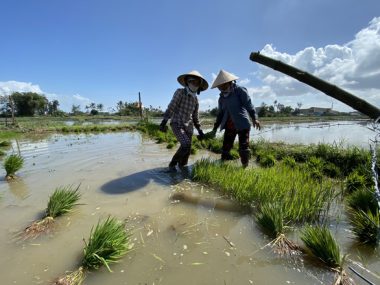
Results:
<point x="106" y="51"/>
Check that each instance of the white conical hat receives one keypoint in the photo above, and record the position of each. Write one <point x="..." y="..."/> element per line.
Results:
<point x="223" y="77"/>
<point x="204" y="83"/>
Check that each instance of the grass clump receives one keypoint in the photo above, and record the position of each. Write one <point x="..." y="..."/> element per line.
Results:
<point x="60" y="202"/>
<point x="363" y="199"/>
<point x="322" y="245"/>
<point x="12" y="164"/>
<point x="366" y="226"/>
<point x="271" y="218"/>
<point x="107" y="243"/>
<point x="302" y="198"/>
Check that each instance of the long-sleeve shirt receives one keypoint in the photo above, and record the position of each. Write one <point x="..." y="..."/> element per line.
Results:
<point x="183" y="109"/>
<point x="238" y="107"/>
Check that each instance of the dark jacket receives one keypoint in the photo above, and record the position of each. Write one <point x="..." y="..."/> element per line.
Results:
<point x="238" y="106"/>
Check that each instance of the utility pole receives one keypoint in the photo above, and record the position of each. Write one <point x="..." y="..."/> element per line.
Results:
<point x="140" y="107"/>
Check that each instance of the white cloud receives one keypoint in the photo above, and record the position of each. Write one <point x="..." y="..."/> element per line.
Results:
<point x="208" y="103"/>
<point x="7" y="87"/>
<point x="354" y="66"/>
<point x="65" y="101"/>
<point x="244" y="81"/>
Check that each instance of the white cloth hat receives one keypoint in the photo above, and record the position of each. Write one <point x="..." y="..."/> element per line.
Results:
<point x="223" y="77"/>
<point x="204" y="83"/>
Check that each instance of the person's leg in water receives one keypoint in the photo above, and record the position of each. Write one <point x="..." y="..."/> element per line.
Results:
<point x="184" y="139"/>
<point x="186" y="147"/>
<point x="228" y="143"/>
<point x="244" y="151"/>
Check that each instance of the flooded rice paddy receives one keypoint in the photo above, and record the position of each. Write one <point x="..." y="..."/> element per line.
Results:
<point x="122" y="174"/>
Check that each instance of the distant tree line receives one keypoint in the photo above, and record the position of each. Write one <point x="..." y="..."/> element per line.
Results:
<point x="30" y="104"/>
<point x="27" y="104"/>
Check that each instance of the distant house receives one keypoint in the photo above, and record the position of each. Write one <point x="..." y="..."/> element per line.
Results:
<point x="318" y="111"/>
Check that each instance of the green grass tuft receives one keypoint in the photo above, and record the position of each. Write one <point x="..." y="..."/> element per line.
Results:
<point x="366" y="226"/>
<point x="322" y="244"/>
<point x="108" y="243"/>
<point x="12" y="164"/>
<point x="270" y="217"/>
<point x="62" y="201"/>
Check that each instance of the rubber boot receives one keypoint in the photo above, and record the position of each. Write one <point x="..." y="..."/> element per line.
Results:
<point x="176" y="158"/>
<point x="244" y="157"/>
<point x="184" y="157"/>
<point x="227" y="156"/>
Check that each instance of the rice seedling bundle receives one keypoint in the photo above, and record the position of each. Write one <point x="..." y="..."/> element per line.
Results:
<point x="107" y="244"/>
<point x="366" y="226"/>
<point x="270" y="218"/>
<point x="60" y="202"/>
<point x="321" y="243"/>
<point x="12" y="164"/>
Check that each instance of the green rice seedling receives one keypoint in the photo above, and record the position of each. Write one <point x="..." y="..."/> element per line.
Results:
<point x="322" y="245"/>
<point x="366" y="226"/>
<point x="354" y="182"/>
<point x="271" y="218"/>
<point x="12" y="164"/>
<point x="170" y="145"/>
<point x="331" y="170"/>
<point x="107" y="244"/>
<point x="363" y="199"/>
<point x="5" y="143"/>
<point x="289" y="162"/>
<point x="267" y="160"/>
<point x="303" y="199"/>
<point x="2" y="153"/>
<point x="215" y="145"/>
<point x="60" y="202"/>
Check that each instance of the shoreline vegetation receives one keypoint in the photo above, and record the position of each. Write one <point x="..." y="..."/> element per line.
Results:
<point x="113" y="123"/>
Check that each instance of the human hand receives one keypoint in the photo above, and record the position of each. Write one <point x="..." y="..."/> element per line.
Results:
<point x="201" y="135"/>
<point x="257" y="124"/>
<point x="163" y="127"/>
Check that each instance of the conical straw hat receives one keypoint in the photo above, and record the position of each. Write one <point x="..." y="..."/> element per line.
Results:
<point x="223" y="77"/>
<point x="204" y="83"/>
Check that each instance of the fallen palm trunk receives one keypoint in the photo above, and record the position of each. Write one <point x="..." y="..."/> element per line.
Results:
<point x="329" y="89"/>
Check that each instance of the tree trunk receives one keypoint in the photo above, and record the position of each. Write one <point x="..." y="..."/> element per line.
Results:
<point x="327" y="88"/>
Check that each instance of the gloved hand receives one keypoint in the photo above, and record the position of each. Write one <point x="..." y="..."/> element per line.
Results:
<point x="163" y="126"/>
<point x="213" y="133"/>
<point x="201" y="135"/>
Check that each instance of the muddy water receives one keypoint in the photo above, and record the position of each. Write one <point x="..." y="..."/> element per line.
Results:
<point x="173" y="243"/>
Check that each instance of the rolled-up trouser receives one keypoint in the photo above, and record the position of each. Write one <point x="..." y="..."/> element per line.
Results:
<point x="183" y="134"/>
<point x="228" y="143"/>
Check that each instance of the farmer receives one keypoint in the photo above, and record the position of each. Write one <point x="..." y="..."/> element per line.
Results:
<point x="183" y="112"/>
<point x="234" y="106"/>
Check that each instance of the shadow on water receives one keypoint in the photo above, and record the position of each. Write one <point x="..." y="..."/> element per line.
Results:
<point x="141" y="179"/>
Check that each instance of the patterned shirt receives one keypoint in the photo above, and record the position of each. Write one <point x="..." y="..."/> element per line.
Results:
<point x="183" y="109"/>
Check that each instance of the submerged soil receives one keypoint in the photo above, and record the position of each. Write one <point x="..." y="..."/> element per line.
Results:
<point x="174" y="242"/>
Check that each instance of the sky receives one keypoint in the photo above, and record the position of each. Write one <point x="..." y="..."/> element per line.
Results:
<point x="101" y="51"/>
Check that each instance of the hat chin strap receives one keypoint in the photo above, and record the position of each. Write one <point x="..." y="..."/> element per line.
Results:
<point x="188" y="90"/>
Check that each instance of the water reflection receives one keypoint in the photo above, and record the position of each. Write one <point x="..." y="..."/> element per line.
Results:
<point x="141" y="179"/>
<point x="19" y="188"/>
<point x="346" y="133"/>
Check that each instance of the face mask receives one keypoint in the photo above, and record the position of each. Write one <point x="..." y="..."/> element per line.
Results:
<point x="193" y="87"/>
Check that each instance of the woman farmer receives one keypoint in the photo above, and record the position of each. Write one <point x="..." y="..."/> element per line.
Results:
<point x="183" y="112"/>
<point x="234" y="110"/>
